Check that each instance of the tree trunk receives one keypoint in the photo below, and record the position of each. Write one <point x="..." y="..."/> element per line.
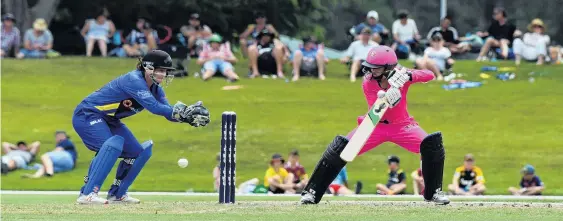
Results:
<point x="25" y="15"/>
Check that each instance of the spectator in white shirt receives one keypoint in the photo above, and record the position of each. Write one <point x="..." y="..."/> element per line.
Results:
<point x="405" y="34"/>
<point x="533" y="45"/>
<point x="436" y="58"/>
<point x="358" y="51"/>
<point x="97" y="30"/>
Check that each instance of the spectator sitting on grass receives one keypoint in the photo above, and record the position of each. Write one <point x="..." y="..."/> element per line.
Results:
<point x="217" y="57"/>
<point x="61" y="159"/>
<point x="97" y="30"/>
<point x="379" y="32"/>
<point x="437" y="58"/>
<point x="38" y="42"/>
<point x="533" y="45"/>
<point x="11" y="37"/>
<point x="266" y="57"/>
<point x="196" y="34"/>
<point x="18" y="156"/>
<point x="300" y="177"/>
<point x="141" y="40"/>
<point x="253" y="30"/>
<point x="530" y="183"/>
<point x="339" y="187"/>
<point x="468" y="179"/>
<point x="309" y="59"/>
<point x="357" y="52"/>
<point x="417" y="182"/>
<point x="499" y="35"/>
<point x="450" y="36"/>
<point x="277" y="179"/>
<point x="397" y="179"/>
<point x="405" y="35"/>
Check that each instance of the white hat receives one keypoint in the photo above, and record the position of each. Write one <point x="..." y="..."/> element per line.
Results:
<point x="373" y="14"/>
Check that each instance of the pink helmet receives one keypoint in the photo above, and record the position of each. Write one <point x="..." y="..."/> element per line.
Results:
<point x="381" y="57"/>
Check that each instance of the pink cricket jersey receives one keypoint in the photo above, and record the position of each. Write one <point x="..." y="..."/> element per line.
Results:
<point x="398" y="113"/>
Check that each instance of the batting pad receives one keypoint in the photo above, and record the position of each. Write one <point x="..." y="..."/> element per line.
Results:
<point x="103" y="162"/>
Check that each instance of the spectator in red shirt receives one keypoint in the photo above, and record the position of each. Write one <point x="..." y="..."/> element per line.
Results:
<point x="300" y="176"/>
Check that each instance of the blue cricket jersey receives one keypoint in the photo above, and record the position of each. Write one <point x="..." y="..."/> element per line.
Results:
<point x="125" y="96"/>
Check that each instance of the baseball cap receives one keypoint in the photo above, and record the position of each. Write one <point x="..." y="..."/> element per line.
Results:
<point x="528" y="169"/>
<point x="194" y="16"/>
<point x="373" y="14"/>
<point x="215" y="38"/>
<point x="9" y="16"/>
<point x="437" y="37"/>
<point x="277" y="156"/>
<point x="468" y="157"/>
<point x="392" y="159"/>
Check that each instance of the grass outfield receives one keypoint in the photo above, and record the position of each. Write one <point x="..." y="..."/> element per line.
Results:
<point x="62" y="207"/>
<point x="504" y="124"/>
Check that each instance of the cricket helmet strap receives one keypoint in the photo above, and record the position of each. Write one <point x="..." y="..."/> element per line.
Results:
<point x="380" y="57"/>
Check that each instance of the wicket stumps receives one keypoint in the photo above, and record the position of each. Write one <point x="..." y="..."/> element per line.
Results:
<point x="228" y="158"/>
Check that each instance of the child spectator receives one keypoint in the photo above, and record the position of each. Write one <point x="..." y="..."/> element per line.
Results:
<point x="97" y="30"/>
<point x="61" y="159"/>
<point x="339" y="187"/>
<point x="533" y="45"/>
<point x="38" y="42"/>
<point x="217" y="57"/>
<point x="300" y="177"/>
<point x="417" y="182"/>
<point x="11" y="37"/>
<point x="277" y="179"/>
<point x="468" y="179"/>
<point x="530" y="184"/>
<point x="397" y="179"/>
<point x="309" y="59"/>
<point x="437" y="58"/>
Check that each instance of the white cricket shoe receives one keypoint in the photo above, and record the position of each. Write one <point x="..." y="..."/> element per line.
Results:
<point x="439" y="198"/>
<point x="124" y="199"/>
<point x="91" y="198"/>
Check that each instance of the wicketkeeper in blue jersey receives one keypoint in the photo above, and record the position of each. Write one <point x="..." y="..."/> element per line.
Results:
<point x="97" y="121"/>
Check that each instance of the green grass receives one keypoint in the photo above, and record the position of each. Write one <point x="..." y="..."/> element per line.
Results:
<point x="504" y="124"/>
<point x="50" y="207"/>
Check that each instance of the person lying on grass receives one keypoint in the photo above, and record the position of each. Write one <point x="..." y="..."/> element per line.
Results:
<point x="61" y="159"/>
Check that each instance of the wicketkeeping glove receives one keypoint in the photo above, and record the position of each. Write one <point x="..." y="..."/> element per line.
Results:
<point x="398" y="77"/>
<point x="196" y="114"/>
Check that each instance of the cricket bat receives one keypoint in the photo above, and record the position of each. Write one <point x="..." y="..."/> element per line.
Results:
<point x="365" y="129"/>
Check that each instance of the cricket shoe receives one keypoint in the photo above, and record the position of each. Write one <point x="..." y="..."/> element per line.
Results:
<point x="439" y="198"/>
<point x="91" y="198"/>
<point x="124" y="199"/>
<point x="308" y="198"/>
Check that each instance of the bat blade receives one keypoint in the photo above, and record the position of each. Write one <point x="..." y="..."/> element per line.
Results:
<point x="364" y="131"/>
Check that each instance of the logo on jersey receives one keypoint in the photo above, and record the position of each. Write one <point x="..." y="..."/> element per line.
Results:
<point x="95" y="121"/>
<point x="127" y="103"/>
<point x="143" y="94"/>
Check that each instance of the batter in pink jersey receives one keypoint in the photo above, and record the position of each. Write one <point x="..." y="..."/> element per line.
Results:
<point x="396" y="125"/>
